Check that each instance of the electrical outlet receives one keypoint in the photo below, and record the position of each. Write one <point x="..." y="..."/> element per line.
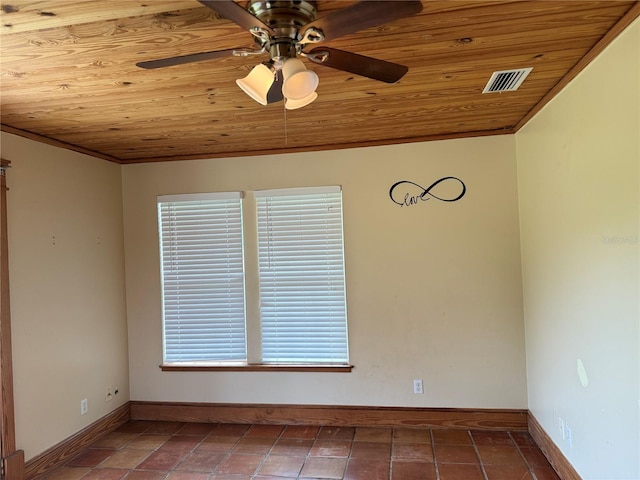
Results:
<point x="417" y="386"/>
<point x="84" y="406"/>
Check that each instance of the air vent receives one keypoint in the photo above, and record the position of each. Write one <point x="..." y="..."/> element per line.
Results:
<point x="506" y="80"/>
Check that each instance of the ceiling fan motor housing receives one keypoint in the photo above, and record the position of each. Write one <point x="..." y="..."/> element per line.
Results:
<point x="285" y="28"/>
<point x="285" y="18"/>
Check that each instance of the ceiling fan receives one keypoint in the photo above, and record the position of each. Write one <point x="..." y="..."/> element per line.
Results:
<point x="284" y="29"/>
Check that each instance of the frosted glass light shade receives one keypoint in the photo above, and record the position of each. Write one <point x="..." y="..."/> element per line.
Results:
<point x="291" y="104"/>
<point x="299" y="82"/>
<point x="257" y="83"/>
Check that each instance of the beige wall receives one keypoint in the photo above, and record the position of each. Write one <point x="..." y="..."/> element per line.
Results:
<point x="578" y="178"/>
<point x="67" y="290"/>
<point x="434" y="290"/>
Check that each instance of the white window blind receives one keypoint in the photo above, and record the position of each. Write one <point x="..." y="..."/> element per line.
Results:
<point x="301" y="273"/>
<point x="202" y="277"/>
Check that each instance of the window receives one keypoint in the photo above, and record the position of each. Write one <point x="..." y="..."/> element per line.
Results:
<point x="289" y="245"/>
<point x="202" y="278"/>
<point x="302" y="294"/>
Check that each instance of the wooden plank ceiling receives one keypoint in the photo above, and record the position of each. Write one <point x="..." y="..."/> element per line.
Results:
<point x="68" y="76"/>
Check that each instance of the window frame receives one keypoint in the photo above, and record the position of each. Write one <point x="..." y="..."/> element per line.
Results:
<point x="253" y="324"/>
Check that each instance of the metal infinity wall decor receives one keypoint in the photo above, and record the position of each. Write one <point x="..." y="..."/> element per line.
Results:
<point x="406" y="193"/>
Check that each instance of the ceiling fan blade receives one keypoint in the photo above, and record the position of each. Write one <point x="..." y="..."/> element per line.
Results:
<point x="275" y="92"/>
<point x="362" y="15"/>
<point x="237" y="14"/>
<point x="374" y="68"/>
<point x="193" y="57"/>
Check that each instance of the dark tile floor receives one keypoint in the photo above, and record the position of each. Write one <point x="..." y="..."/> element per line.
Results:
<point x="197" y="451"/>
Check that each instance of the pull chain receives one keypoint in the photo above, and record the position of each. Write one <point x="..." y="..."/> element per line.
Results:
<point x="286" y="134"/>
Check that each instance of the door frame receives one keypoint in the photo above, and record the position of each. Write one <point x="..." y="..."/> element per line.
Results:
<point x="12" y="460"/>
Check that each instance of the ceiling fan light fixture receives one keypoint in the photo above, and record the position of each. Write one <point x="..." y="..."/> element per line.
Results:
<point x="257" y="83"/>
<point x="291" y="104"/>
<point x="299" y="83"/>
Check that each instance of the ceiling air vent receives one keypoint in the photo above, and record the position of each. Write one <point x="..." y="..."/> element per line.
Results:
<point x="506" y="80"/>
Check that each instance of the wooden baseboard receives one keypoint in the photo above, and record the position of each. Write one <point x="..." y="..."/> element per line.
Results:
<point x="64" y="451"/>
<point x="485" y="419"/>
<point x="558" y="461"/>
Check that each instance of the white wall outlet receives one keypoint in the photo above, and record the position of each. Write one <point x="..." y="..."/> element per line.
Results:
<point x="417" y="386"/>
<point x="109" y="395"/>
<point x="84" y="406"/>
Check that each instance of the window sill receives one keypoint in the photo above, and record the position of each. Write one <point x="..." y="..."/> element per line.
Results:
<point x="209" y="367"/>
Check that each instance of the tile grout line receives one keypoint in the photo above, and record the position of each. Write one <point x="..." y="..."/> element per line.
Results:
<point x="433" y="450"/>
<point x="228" y="452"/>
<point x="139" y="434"/>
<point x="266" y="455"/>
<point x="391" y="445"/>
<point x="308" y="455"/>
<point x="188" y="454"/>
<point x="353" y="441"/>
<point x="526" y="462"/>
<point x="169" y="471"/>
<point x="190" y="451"/>
<point x="475" y="448"/>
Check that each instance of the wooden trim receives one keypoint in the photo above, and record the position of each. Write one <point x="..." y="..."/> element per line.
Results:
<point x="605" y="41"/>
<point x="14" y="466"/>
<point x="558" y="461"/>
<point x="176" y="367"/>
<point x="69" y="448"/>
<point x="331" y="415"/>
<point x="321" y="148"/>
<point x="252" y="153"/>
<point x="12" y="459"/>
<point x="56" y="143"/>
